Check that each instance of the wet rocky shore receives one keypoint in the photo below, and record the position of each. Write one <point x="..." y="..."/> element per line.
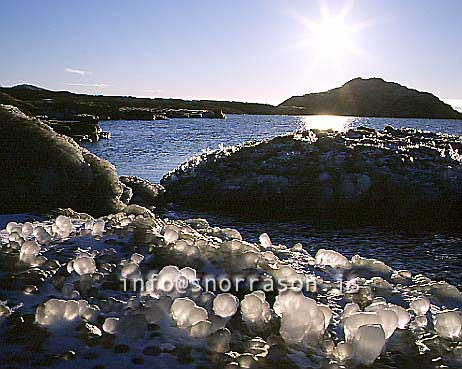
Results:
<point x="363" y="176"/>
<point x="75" y="288"/>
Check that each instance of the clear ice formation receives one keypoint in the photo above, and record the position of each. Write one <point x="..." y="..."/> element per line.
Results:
<point x="347" y="322"/>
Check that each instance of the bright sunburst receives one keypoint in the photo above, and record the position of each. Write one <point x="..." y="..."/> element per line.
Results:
<point x="332" y="37"/>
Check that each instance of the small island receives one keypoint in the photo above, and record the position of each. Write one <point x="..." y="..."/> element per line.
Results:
<point x="372" y="97"/>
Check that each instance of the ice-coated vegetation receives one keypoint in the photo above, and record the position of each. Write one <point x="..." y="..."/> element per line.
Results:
<point x="134" y="283"/>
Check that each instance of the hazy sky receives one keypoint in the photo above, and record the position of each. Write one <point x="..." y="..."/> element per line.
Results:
<point x="259" y="50"/>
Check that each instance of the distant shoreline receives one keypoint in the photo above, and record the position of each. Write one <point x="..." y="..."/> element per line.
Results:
<point x="359" y="97"/>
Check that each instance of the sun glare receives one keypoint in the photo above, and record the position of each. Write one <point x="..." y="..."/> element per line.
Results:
<point x="325" y="122"/>
<point x="331" y="37"/>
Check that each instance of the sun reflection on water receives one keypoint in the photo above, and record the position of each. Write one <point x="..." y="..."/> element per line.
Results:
<point x="325" y="122"/>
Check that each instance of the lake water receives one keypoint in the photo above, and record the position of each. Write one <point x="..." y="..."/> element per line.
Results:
<point x="149" y="149"/>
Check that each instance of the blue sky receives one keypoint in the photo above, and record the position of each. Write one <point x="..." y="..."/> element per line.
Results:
<point x="260" y="50"/>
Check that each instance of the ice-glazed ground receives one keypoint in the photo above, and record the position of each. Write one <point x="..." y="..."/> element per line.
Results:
<point x="69" y="302"/>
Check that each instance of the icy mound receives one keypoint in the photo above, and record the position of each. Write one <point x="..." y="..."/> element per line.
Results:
<point x="139" y="285"/>
<point x="373" y="177"/>
<point x="42" y="170"/>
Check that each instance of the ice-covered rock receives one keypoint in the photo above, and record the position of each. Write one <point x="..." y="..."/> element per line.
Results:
<point x="55" y="311"/>
<point x="41" y="235"/>
<point x="332" y="258"/>
<point x="130" y="270"/>
<point x="368" y="343"/>
<point x="186" y="313"/>
<point x="403" y="315"/>
<point x="111" y="325"/>
<point x="343" y="352"/>
<point x="265" y="240"/>
<point x="302" y="319"/>
<point x="171" y="234"/>
<point x="420" y="305"/>
<point x="27" y="229"/>
<point x="349" y="309"/>
<point x="13" y="227"/>
<point x="29" y="249"/>
<point x="389" y="321"/>
<point x="449" y="325"/>
<point x="225" y="305"/>
<point x="255" y="309"/>
<point x="98" y="228"/>
<point x="200" y="329"/>
<point x="84" y="264"/>
<point x="352" y="324"/>
<point x="338" y="176"/>
<point x="43" y="170"/>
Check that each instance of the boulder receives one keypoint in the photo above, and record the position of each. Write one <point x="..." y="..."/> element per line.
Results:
<point x="42" y="170"/>
<point x="361" y="176"/>
<point x="144" y="192"/>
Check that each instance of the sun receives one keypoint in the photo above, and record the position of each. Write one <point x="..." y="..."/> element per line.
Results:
<point x="331" y="38"/>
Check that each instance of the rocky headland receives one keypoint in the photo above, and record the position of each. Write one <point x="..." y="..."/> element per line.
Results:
<point x="362" y="176"/>
<point x="371" y="97"/>
<point x="42" y="170"/>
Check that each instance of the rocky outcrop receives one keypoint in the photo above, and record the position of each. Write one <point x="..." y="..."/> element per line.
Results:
<point x="145" y="113"/>
<point x="42" y="170"/>
<point x="81" y="127"/>
<point x="362" y="176"/>
<point x="144" y="192"/>
<point x="371" y="97"/>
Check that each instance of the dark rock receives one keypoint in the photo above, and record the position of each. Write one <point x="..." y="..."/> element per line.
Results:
<point x="371" y="97"/>
<point x="81" y="127"/>
<point x="144" y="192"/>
<point x="121" y="349"/>
<point x="138" y="361"/>
<point x="152" y="351"/>
<point x="42" y="170"/>
<point x="401" y="177"/>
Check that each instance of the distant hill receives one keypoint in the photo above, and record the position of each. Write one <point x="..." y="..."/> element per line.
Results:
<point x="371" y="97"/>
<point x="39" y="101"/>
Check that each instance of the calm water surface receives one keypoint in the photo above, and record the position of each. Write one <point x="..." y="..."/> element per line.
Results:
<point x="149" y="149"/>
